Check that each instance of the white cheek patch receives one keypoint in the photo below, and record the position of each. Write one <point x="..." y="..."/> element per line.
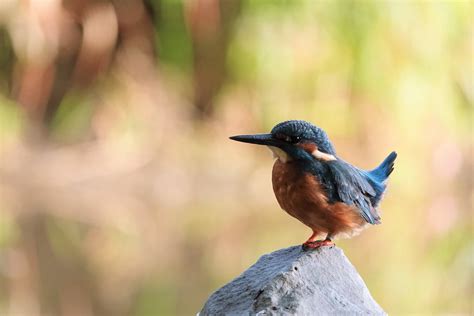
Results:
<point x="279" y="154"/>
<point x="323" y="156"/>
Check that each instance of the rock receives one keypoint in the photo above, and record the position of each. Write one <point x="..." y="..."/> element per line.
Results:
<point x="295" y="282"/>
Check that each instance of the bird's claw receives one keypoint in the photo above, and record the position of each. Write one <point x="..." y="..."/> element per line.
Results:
<point x="317" y="244"/>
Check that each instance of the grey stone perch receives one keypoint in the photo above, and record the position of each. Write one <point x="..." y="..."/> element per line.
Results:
<point x="295" y="282"/>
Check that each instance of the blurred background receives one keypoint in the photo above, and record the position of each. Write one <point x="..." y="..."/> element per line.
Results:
<point x="122" y="195"/>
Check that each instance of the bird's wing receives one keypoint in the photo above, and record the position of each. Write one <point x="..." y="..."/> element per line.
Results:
<point x="351" y="186"/>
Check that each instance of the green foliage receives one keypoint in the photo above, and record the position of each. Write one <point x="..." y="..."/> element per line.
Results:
<point x="72" y="119"/>
<point x="172" y="38"/>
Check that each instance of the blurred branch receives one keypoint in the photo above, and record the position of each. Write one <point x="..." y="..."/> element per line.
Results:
<point x="210" y="23"/>
<point x="66" y="48"/>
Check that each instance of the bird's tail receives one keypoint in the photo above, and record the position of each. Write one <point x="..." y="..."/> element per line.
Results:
<point x="382" y="172"/>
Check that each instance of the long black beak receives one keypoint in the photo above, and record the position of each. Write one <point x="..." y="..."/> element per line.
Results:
<point x="259" y="139"/>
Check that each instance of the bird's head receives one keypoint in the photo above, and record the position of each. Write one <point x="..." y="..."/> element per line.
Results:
<point x="293" y="140"/>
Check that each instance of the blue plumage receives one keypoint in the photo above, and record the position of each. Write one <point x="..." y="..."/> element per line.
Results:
<point x="382" y="172"/>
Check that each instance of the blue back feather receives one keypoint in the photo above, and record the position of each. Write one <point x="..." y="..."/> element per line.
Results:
<point x="353" y="186"/>
<point x="381" y="173"/>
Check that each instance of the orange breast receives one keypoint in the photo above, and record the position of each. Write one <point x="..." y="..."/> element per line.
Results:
<point x="301" y="195"/>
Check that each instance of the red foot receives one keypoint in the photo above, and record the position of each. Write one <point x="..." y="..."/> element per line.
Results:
<point x="318" y="243"/>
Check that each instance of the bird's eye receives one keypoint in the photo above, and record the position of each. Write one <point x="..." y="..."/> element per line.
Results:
<point x="295" y="139"/>
<point x="288" y="139"/>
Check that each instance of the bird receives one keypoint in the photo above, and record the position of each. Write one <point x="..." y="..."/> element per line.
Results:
<point x="313" y="184"/>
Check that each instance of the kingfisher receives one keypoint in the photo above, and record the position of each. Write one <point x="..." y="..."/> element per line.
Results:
<point x="313" y="184"/>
